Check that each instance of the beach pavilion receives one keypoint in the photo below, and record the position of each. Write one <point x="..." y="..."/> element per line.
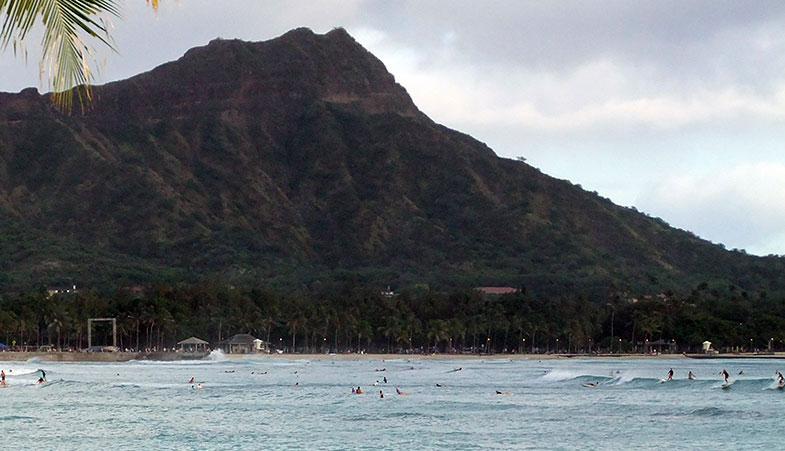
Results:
<point x="193" y="344"/>
<point x="239" y="344"/>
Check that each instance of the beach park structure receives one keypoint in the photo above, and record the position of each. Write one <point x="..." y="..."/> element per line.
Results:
<point x="661" y="346"/>
<point x="192" y="344"/>
<point x="243" y="344"/>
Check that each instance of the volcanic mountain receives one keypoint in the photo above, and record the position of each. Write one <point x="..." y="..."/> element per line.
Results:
<point x="299" y="159"/>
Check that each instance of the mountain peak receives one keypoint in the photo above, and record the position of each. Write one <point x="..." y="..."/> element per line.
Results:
<point x="288" y="72"/>
<point x="301" y="157"/>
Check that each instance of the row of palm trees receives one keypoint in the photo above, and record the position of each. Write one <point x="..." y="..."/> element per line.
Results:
<point x="353" y="317"/>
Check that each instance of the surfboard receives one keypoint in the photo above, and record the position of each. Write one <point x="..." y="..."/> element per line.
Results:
<point x="726" y="385"/>
<point x="662" y="381"/>
<point x="590" y="385"/>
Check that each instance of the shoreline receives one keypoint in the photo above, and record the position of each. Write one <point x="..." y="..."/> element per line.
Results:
<point x="111" y="357"/>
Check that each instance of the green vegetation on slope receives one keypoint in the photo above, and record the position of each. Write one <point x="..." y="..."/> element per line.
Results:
<point x="299" y="160"/>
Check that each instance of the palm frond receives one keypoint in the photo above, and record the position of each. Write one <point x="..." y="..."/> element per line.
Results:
<point x="64" y="51"/>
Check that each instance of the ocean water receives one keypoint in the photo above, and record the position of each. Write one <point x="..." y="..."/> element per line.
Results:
<point x="308" y="404"/>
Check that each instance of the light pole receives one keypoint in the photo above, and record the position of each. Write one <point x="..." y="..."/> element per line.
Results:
<point x="613" y="313"/>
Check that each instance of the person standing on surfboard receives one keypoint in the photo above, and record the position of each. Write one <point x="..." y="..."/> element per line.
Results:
<point x="691" y="376"/>
<point x="670" y="374"/>
<point x="724" y="372"/>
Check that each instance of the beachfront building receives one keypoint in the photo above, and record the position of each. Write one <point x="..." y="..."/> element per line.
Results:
<point x="192" y="344"/>
<point x="661" y="346"/>
<point x="243" y="344"/>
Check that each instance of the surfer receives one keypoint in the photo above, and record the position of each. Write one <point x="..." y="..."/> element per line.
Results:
<point x="199" y="386"/>
<point x="691" y="376"/>
<point x="2" y="378"/>
<point x="191" y="381"/>
<point x="381" y="394"/>
<point x="724" y="372"/>
<point x="43" y="374"/>
<point x="670" y="374"/>
<point x="40" y="380"/>
<point x="741" y="372"/>
<point x="591" y="384"/>
<point x="385" y="379"/>
<point x="503" y="392"/>
<point x="400" y="392"/>
<point x="359" y="392"/>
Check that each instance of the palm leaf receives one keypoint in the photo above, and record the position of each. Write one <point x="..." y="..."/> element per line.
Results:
<point x="65" y="52"/>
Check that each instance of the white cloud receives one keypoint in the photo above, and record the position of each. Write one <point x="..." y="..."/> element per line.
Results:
<point x="602" y="93"/>
<point x="744" y="205"/>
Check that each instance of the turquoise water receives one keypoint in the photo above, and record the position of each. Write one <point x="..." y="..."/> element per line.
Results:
<point x="151" y="405"/>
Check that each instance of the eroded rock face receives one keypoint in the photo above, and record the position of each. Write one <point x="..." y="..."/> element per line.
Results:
<point x="295" y="158"/>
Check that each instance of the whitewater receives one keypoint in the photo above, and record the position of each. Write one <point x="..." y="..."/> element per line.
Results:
<point x="284" y="403"/>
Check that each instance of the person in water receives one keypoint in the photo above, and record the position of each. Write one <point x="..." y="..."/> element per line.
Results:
<point x="724" y="372"/>
<point x="43" y="374"/>
<point x="691" y="376"/>
<point x="381" y="394"/>
<point x="741" y="372"/>
<point x="400" y="392"/>
<point x="359" y="392"/>
<point x="191" y="381"/>
<point x="40" y="380"/>
<point x="670" y="374"/>
<point x="503" y="392"/>
<point x="2" y="378"/>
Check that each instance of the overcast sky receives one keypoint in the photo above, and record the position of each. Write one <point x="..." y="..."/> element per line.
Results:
<point x="674" y="107"/>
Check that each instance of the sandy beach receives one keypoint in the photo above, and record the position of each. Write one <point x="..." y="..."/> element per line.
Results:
<point x="176" y="356"/>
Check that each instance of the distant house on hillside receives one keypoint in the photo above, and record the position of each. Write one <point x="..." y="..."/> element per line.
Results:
<point x="496" y="291"/>
<point x="61" y="289"/>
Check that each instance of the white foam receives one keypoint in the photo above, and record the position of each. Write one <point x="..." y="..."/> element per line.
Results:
<point x="216" y="356"/>
<point x="563" y="375"/>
